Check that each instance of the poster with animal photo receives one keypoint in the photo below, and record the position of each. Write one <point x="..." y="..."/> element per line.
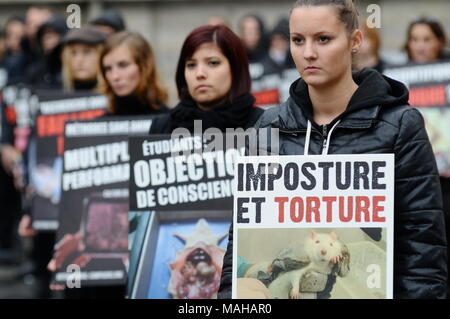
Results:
<point x="55" y="108"/>
<point x="93" y="219"/>
<point x="178" y="247"/>
<point x="178" y="254"/>
<point x="313" y="227"/>
<point x="436" y="123"/>
<point x="428" y="83"/>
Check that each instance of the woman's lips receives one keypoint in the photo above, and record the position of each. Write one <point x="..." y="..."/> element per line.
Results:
<point x="202" y="87"/>
<point x="312" y="68"/>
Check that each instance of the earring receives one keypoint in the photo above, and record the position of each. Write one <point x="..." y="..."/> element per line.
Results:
<point x="354" y="51"/>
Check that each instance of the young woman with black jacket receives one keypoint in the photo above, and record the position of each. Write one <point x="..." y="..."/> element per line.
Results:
<point x="332" y="111"/>
<point x="213" y="83"/>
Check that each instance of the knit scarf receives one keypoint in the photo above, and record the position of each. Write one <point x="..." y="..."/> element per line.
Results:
<point x="227" y="115"/>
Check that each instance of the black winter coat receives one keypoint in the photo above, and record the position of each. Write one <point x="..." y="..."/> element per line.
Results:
<point x="377" y="120"/>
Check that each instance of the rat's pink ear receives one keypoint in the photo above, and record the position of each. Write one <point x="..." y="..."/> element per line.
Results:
<point x="312" y="234"/>
<point x="333" y="236"/>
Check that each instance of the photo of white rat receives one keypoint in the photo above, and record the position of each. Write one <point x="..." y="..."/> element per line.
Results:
<point x="326" y="254"/>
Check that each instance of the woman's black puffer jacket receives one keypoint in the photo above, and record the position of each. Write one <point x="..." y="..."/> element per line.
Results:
<point x="377" y="120"/>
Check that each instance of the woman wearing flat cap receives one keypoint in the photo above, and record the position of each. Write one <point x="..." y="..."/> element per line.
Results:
<point x="80" y="58"/>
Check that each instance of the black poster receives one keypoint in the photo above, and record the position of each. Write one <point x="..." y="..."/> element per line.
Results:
<point x="186" y="173"/>
<point x="428" y="84"/>
<point x="93" y="219"/>
<point x="181" y="195"/>
<point x="429" y="92"/>
<point x="55" y="108"/>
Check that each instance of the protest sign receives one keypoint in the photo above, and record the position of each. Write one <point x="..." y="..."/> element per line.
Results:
<point x="55" y="108"/>
<point x="270" y="85"/>
<point x="302" y="221"/>
<point x="429" y="91"/>
<point x="186" y="182"/>
<point x="93" y="219"/>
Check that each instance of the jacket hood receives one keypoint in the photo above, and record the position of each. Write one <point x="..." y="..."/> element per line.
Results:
<point x="56" y="23"/>
<point x="374" y="89"/>
<point x="111" y="18"/>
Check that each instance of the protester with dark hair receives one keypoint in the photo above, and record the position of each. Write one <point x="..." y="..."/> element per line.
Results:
<point x="332" y="111"/>
<point x="253" y="35"/>
<point x="46" y="72"/>
<point x="110" y="22"/>
<point x="131" y="78"/>
<point x="213" y="83"/>
<point x="426" y="41"/>
<point x="279" y="53"/>
<point x="80" y="56"/>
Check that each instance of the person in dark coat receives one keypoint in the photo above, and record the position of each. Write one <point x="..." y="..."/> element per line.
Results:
<point x="253" y="34"/>
<point x="14" y="61"/>
<point x="213" y="84"/>
<point x="46" y="72"/>
<point x="332" y="111"/>
<point x="426" y="41"/>
<point x="110" y="22"/>
<point x="30" y="51"/>
<point x="130" y="76"/>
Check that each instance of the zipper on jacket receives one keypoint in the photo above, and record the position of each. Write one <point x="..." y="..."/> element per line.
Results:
<point x="295" y="133"/>
<point x="324" y="135"/>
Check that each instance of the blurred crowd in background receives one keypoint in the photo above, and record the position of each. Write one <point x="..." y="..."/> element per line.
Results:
<point x="38" y="50"/>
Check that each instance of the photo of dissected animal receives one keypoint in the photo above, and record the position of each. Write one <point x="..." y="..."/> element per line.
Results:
<point x="195" y="274"/>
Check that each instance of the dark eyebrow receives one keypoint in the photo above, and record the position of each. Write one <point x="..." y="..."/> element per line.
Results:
<point x="315" y="34"/>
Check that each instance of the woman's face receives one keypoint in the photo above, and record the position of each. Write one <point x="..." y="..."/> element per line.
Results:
<point x="121" y="71"/>
<point x="251" y="34"/>
<point x="208" y="76"/>
<point x="14" y="33"/>
<point x="83" y="61"/>
<point x="423" y="45"/>
<point x="320" y="45"/>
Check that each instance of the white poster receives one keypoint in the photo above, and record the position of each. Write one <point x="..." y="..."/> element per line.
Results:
<point x="309" y="227"/>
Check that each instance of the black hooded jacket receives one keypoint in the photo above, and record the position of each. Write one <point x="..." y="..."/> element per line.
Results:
<point x="377" y="120"/>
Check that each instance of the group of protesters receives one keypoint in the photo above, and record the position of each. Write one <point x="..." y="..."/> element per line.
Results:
<point x="214" y="84"/>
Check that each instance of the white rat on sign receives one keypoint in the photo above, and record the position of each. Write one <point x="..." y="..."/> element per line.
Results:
<point x="326" y="254"/>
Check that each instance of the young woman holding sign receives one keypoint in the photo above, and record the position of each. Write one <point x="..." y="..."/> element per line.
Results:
<point x="332" y="111"/>
<point x="213" y="83"/>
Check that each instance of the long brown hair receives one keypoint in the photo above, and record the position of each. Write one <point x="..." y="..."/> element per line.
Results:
<point x="150" y="88"/>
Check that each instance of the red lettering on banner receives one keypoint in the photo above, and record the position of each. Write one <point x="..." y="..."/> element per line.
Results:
<point x="281" y="201"/>
<point x="356" y="209"/>
<point x="10" y="114"/>
<point x="342" y="217"/>
<point x="377" y="209"/>
<point x="53" y="125"/>
<point x="428" y="96"/>
<point x="297" y="209"/>
<point x="329" y="200"/>
<point x="267" y="97"/>
<point x="362" y="207"/>
<point x="312" y="207"/>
